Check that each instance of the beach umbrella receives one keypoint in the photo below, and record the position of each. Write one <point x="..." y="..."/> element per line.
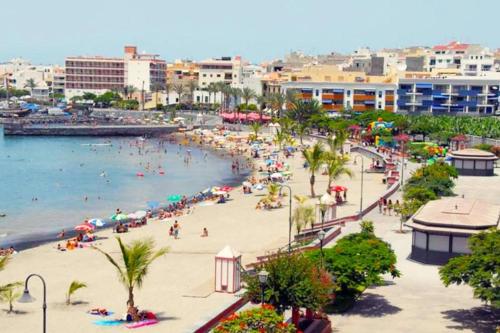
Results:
<point x="86" y="227"/>
<point x="119" y="217"/>
<point x="174" y="198"/>
<point x="337" y="188"/>
<point x="226" y="188"/>
<point x="97" y="222"/>
<point x="140" y="214"/>
<point x="220" y="192"/>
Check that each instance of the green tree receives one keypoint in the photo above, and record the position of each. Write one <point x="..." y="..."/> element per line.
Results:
<point x="4" y="260"/>
<point x="302" y="110"/>
<point x="30" y="84"/>
<point x="10" y="293"/>
<point x="89" y="96"/>
<point x="136" y="258"/>
<point x="302" y="214"/>
<point x="280" y="137"/>
<point x="314" y="157"/>
<point x="192" y="85"/>
<point x="302" y="129"/>
<point x="419" y="193"/>
<point x="357" y="262"/>
<point x="73" y="287"/>
<point x="247" y="94"/>
<point x="256" y="127"/>
<point x="480" y="269"/>
<point x="336" y="167"/>
<point x="294" y="281"/>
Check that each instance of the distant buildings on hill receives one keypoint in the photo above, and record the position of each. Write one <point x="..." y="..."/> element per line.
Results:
<point x="451" y="78"/>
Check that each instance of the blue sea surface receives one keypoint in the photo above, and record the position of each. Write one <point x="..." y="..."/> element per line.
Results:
<point x="61" y="171"/>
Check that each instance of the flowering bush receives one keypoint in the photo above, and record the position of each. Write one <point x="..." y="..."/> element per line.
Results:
<point x="258" y="320"/>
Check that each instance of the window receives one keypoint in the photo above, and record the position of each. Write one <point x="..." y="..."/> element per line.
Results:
<point x="317" y="92"/>
<point x="480" y="165"/>
<point x="211" y="75"/>
<point x="419" y="240"/>
<point x="218" y="75"/>
<point x="459" y="245"/>
<point x="379" y="94"/>
<point x="468" y="164"/>
<point x="348" y="93"/>
<point x="379" y="105"/>
<point x="458" y="164"/>
<point x="204" y="75"/>
<point x="439" y="243"/>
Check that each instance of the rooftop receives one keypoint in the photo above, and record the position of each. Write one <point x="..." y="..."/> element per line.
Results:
<point x="472" y="153"/>
<point x="456" y="215"/>
<point x="452" y="46"/>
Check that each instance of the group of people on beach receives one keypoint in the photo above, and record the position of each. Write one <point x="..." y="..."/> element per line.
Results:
<point x="7" y="252"/>
<point x="386" y="207"/>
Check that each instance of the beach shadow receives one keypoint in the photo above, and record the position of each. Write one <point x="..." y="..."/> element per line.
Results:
<point x="80" y="303"/>
<point x="481" y="319"/>
<point x="162" y="317"/>
<point x="373" y="305"/>
<point x="15" y="312"/>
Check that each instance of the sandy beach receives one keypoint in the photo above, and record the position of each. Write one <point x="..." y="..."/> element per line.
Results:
<point x="180" y="286"/>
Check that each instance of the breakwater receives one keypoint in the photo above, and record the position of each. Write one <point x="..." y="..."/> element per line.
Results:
<point x="88" y="130"/>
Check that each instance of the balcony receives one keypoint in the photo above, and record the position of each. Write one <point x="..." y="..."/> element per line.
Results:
<point x="359" y="97"/>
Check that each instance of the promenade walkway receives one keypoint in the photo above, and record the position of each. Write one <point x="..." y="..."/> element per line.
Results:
<point x="418" y="301"/>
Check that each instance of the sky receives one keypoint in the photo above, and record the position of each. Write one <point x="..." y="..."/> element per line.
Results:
<point x="47" y="31"/>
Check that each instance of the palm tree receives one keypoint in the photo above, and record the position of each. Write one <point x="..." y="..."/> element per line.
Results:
<point x="280" y="137"/>
<point x="192" y="85"/>
<point x="337" y="141"/>
<point x="179" y="89"/>
<point x="212" y="89"/>
<point x="302" y="129"/>
<point x="168" y="88"/>
<point x="31" y="84"/>
<point x="73" y="287"/>
<point x="336" y="167"/>
<point x="128" y="91"/>
<point x="136" y="258"/>
<point x="303" y="214"/>
<point x="247" y="94"/>
<point x="235" y="94"/>
<point x="273" y="190"/>
<point x="10" y="293"/>
<point x="255" y="126"/>
<point x="314" y="158"/>
<point x="277" y="101"/>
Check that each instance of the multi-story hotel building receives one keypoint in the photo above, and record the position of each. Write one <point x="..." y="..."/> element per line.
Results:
<point x="337" y="96"/>
<point x="97" y="74"/>
<point x="458" y="94"/>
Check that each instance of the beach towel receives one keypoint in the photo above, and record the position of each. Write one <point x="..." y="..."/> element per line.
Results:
<point x="108" y="322"/>
<point x="142" y="323"/>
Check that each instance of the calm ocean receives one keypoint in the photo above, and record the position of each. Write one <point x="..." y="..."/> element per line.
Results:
<point x="61" y="171"/>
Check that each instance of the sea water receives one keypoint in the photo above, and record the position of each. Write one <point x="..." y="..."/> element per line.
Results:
<point x="52" y="183"/>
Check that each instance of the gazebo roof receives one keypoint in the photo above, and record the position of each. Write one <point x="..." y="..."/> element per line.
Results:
<point x="473" y="154"/>
<point x="228" y="253"/>
<point x="456" y="215"/>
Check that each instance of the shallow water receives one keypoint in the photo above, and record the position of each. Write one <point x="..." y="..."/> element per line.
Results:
<point x="61" y="171"/>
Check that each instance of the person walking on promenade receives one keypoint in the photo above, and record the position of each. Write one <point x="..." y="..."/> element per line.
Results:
<point x="385" y="206"/>
<point x="380" y="203"/>
<point x="389" y="207"/>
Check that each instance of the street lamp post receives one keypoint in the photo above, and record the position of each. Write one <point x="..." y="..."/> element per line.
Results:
<point x="321" y="237"/>
<point x="27" y="298"/>
<point x="263" y="275"/>
<point x="322" y="209"/>
<point x="362" y="181"/>
<point x="289" y="217"/>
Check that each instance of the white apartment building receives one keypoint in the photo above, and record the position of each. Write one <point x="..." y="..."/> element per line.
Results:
<point x="225" y="69"/>
<point x="470" y="59"/>
<point x="336" y="96"/>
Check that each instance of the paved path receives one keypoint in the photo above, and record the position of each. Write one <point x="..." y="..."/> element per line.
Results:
<point x="418" y="301"/>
